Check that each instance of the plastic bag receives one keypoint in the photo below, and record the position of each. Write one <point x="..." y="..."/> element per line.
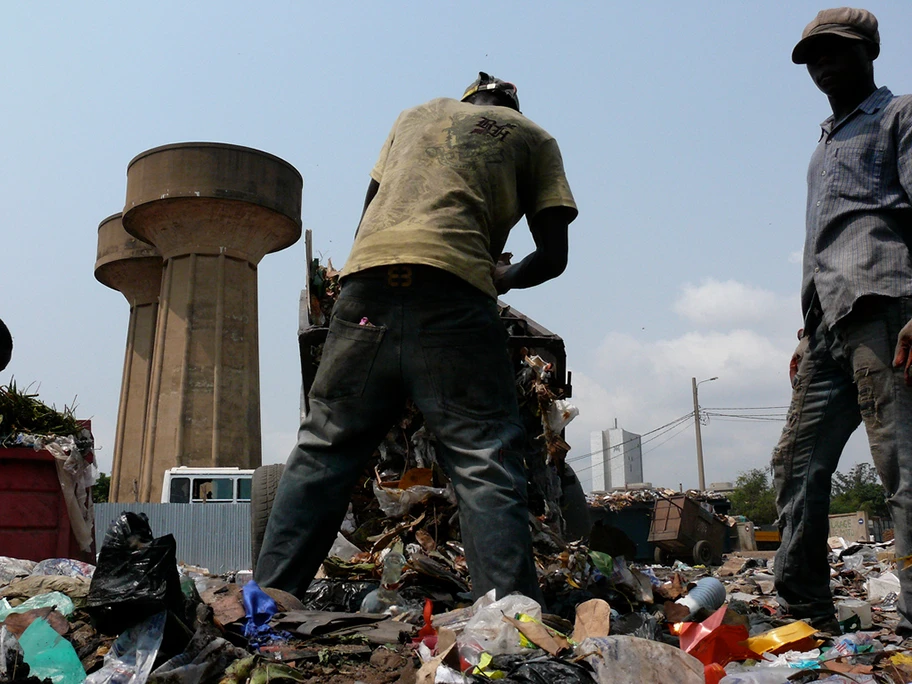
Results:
<point x="60" y="602"/>
<point x="879" y="587"/>
<point x="396" y="503"/>
<point x="64" y="566"/>
<point x="560" y="414"/>
<point x="853" y="562"/>
<point x="132" y="655"/>
<point x="136" y="576"/>
<point x="50" y="655"/>
<point x="13" y="568"/>
<point x="628" y="660"/>
<point x="548" y="671"/>
<point x="11" y="665"/>
<point x="342" y="548"/>
<point x="852" y="644"/>
<point x="335" y="594"/>
<point x="201" y="662"/>
<point x="260" y="608"/>
<point x="488" y="631"/>
<point x="641" y="625"/>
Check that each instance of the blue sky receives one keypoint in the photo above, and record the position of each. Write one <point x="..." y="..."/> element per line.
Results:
<point x="685" y="130"/>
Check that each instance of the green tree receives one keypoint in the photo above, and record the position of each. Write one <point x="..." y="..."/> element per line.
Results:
<point x="754" y="497"/>
<point x="858" y="490"/>
<point x="101" y="488"/>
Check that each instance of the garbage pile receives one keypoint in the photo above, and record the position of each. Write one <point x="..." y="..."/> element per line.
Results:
<point x="140" y="617"/>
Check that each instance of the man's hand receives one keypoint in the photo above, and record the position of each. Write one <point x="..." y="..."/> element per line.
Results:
<point x="499" y="273"/>
<point x="800" y="351"/>
<point x="903" y="356"/>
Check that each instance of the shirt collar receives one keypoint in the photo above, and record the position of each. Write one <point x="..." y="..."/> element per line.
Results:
<point x="871" y="104"/>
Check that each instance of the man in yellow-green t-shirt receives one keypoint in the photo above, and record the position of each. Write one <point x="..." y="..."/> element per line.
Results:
<point x="417" y="318"/>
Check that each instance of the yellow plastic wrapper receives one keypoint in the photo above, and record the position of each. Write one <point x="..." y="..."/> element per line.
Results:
<point x="796" y="636"/>
<point x="904" y="659"/>
<point x="484" y="667"/>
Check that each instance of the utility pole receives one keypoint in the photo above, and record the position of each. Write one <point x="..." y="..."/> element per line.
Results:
<point x="697" y="430"/>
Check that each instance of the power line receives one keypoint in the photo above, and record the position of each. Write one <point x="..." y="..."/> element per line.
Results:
<point x="683" y="422"/>
<point x="672" y="424"/>
<point x="743" y="408"/>
<point x="667" y="440"/>
<point x="749" y="416"/>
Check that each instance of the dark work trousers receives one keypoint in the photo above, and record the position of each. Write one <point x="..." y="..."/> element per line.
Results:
<point x="845" y="377"/>
<point x="418" y="332"/>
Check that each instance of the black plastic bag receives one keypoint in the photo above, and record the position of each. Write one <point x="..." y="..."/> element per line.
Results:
<point x="547" y="670"/>
<point x="337" y="595"/>
<point x="136" y="576"/>
<point x="642" y="625"/>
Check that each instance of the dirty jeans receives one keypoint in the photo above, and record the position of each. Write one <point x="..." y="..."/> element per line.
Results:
<point x="432" y="337"/>
<point x="846" y="376"/>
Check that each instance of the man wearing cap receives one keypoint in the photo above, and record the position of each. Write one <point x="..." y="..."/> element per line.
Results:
<point x="852" y="363"/>
<point x="417" y="317"/>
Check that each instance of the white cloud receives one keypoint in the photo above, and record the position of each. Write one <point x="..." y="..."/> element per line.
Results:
<point x="727" y="303"/>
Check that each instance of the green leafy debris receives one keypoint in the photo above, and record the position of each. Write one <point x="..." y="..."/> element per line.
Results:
<point x="22" y="412"/>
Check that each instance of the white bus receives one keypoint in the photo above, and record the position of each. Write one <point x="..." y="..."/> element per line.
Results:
<point x="206" y="485"/>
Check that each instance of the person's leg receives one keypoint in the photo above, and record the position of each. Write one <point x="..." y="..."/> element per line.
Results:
<point x="461" y="378"/>
<point x="355" y="398"/>
<point x="822" y="416"/>
<point x="886" y="408"/>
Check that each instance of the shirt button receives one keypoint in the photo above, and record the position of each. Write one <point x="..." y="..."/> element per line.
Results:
<point x="823" y="173"/>
<point x="818" y="203"/>
<point x="817" y="270"/>
<point x="828" y="142"/>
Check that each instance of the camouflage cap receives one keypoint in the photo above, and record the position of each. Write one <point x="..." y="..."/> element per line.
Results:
<point x="846" y="22"/>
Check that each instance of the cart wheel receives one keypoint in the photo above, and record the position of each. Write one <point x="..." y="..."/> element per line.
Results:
<point x="661" y="558"/>
<point x="702" y="552"/>
<point x="262" y="494"/>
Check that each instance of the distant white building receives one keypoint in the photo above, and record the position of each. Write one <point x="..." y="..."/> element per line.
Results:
<point x="616" y="457"/>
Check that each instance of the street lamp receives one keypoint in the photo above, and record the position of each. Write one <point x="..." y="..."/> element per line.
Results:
<point x="697" y="430"/>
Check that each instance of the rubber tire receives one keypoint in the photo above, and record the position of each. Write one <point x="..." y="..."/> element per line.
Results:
<point x="661" y="558"/>
<point x="702" y="553"/>
<point x="262" y="493"/>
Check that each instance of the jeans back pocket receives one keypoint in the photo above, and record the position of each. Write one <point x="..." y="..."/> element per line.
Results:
<point x="470" y="370"/>
<point x="348" y="359"/>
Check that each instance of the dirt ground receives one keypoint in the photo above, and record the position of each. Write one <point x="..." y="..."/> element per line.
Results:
<point x="384" y="667"/>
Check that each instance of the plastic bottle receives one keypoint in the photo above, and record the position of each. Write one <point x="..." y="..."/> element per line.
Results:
<point x="387" y="595"/>
<point x="709" y="593"/>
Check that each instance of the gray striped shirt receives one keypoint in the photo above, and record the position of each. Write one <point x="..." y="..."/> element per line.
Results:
<point x="859" y="214"/>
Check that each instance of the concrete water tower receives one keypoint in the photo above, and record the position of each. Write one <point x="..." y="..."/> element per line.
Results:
<point x="133" y="268"/>
<point x="213" y="211"/>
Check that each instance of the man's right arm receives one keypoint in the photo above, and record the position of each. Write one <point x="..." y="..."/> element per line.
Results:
<point x="549" y="231"/>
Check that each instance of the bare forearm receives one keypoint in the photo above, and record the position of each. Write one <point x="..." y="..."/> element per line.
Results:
<point x="534" y="270"/>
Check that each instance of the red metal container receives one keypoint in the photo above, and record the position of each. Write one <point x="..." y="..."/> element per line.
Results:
<point x="34" y="524"/>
